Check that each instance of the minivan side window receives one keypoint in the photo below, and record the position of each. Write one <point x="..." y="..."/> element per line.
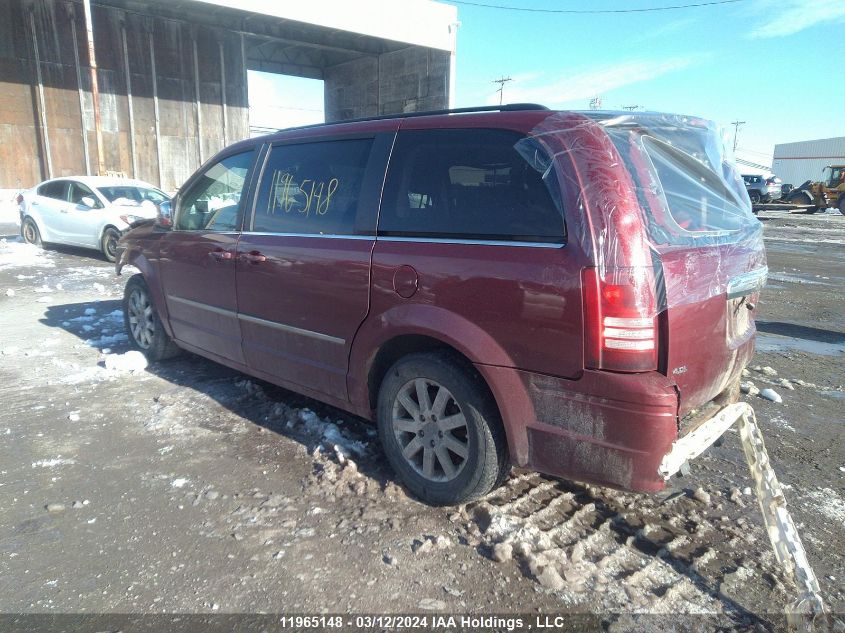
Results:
<point x="56" y="189"/>
<point x="478" y="184"/>
<point x="312" y="188"/>
<point x="213" y="202"/>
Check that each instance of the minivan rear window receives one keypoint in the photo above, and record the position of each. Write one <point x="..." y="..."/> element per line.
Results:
<point x="689" y="188"/>
<point x="477" y="184"/>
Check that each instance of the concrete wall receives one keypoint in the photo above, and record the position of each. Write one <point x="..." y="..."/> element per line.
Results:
<point x="165" y="160"/>
<point x="406" y="80"/>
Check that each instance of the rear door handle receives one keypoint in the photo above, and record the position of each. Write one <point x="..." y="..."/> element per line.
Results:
<point x="220" y="255"/>
<point x="253" y="257"/>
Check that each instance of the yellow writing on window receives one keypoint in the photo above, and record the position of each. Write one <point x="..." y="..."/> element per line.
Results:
<point x="310" y="195"/>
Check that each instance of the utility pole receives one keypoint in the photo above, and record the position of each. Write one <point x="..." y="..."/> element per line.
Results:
<point x="736" y="125"/>
<point x="501" y="81"/>
<point x="95" y="89"/>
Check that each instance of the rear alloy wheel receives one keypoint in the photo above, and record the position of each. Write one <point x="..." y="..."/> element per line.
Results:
<point x="431" y="429"/>
<point x="30" y="232"/>
<point x="440" y="429"/>
<point x="108" y="243"/>
<point x="143" y="324"/>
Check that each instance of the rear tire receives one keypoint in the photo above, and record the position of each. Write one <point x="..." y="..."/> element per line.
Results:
<point x="842" y="204"/>
<point x="30" y="232"/>
<point x="146" y="332"/>
<point x="108" y="243"/>
<point x="440" y="429"/>
<point x="755" y="197"/>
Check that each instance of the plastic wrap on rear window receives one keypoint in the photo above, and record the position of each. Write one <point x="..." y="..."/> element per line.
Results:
<point x="650" y="189"/>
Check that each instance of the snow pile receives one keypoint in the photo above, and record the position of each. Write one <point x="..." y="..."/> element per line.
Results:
<point x="17" y="254"/>
<point x="327" y="432"/>
<point x="331" y="443"/>
<point x="131" y="362"/>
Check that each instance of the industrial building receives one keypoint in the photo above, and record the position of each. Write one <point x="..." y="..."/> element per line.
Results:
<point x="796" y="163"/>
<point x="169" y="85"/>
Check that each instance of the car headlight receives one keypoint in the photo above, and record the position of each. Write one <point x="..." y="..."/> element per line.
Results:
<point x="131" y="219"/>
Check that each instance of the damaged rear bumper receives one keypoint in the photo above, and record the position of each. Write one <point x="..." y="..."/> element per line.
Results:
<point x="605" y="428"/>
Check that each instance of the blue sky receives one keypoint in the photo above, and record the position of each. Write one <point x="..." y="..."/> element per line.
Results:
<point x="779" y="65"/>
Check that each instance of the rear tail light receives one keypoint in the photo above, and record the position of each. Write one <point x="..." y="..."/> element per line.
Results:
<point x="620" y="314"/>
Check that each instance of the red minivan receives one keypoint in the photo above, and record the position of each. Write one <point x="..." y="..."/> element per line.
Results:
<point x="570" y="292"/>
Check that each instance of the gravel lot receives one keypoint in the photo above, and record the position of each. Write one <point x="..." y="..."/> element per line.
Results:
<point x="186" y="487"/>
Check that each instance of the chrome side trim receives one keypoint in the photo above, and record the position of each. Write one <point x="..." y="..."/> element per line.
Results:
<point x="330" y="236"/>
<point x="293" y="330"/>
<point x="748" y="283"/>
<point x="203" y="306"/>
<point x="251" y="319"/>
<point x="439" y="240"/>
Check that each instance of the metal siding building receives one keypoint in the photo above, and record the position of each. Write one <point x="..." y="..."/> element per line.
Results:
<point x="798" y="162"/>
<point x="172" y="76"/>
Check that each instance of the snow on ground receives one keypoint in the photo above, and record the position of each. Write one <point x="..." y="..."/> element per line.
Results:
<point x="17" y="254"/>
<point x="50" y="463"/>
<point x="829" y="503"/>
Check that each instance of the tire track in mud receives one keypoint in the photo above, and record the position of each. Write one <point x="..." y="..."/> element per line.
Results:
<point x="605" y="551"/>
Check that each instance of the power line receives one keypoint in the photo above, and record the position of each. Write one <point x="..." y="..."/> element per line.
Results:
<point x="594" y="11"/>
<point x="753" y="151"/>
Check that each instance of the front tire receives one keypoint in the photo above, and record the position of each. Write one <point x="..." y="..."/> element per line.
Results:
<point x="30" y="232"/>
<point x="440" y="429"/>
<point x="108" y="243"/>
<point x="146" y="332"/>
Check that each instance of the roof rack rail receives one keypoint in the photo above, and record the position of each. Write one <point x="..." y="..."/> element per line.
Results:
<point x="509" y="107"/>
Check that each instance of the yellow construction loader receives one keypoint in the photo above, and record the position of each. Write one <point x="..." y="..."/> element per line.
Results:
<point x="828" y="192"/>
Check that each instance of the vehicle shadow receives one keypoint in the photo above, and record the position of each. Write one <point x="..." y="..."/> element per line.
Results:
<point x="801" y="331"/>
<point x="99" y="324"/>
<point x="78" y="251"/>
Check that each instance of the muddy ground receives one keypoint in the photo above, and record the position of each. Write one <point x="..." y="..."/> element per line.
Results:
<point x="187" y="487"/>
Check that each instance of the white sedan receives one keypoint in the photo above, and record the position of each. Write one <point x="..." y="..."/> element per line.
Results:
<point x="87" y="211"/>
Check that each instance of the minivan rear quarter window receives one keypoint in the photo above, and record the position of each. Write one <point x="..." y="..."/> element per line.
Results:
<point x="312" y="188"/>
<point x="470" y="185"/>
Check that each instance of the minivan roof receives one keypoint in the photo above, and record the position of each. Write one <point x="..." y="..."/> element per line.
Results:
<point x="522" y="117"/>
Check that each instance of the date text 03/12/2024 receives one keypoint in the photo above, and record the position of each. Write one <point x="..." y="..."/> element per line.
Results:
<point x="389" y="622"/>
